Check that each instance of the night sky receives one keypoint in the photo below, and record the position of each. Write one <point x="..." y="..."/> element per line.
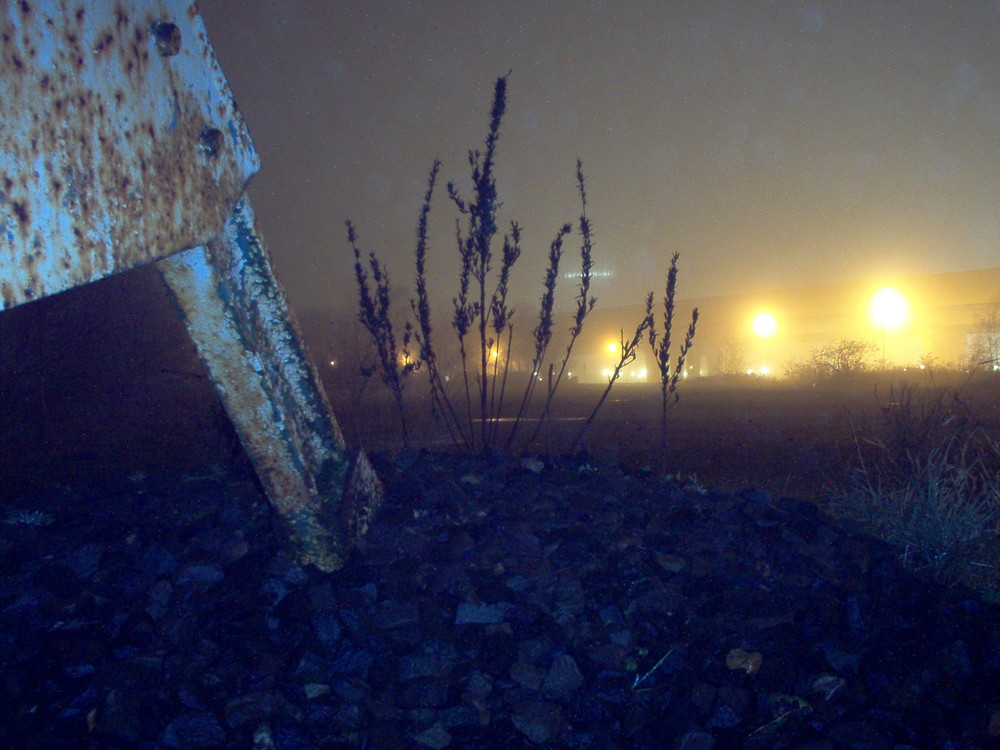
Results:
<point x="772" y="144"/>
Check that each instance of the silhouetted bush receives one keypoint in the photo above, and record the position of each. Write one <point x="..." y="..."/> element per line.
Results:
<point x="482" y="316"/>
<point x="843" y="358"/>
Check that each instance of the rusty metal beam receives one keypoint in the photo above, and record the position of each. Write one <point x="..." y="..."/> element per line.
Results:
<point x="120" y="142"/>
<point x="249" y="341"/>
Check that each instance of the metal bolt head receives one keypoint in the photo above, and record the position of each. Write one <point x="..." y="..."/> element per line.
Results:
<point x="168" y="38"/>
<point x="210" y="142"/>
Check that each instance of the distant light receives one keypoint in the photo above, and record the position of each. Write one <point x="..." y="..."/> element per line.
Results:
<point x="607" y="373"/>
<point x="765" y="325"/>
<point x="333" y="363"/>
<point x="642" y="372"/>
<point x="612" y="347"/>
<point x="889" y="309"/>
<point x="765" y="370"/>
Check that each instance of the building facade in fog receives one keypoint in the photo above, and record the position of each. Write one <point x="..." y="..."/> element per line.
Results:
<point x="946" y="318"/>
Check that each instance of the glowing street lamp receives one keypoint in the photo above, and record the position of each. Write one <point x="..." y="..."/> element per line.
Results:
<point x="765" y="325"/>
<point x="889" y="311"/>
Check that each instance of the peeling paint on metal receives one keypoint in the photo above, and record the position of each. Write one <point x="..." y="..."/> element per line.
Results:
<point x="238" y="317"/>
<point x="120" y="142"/>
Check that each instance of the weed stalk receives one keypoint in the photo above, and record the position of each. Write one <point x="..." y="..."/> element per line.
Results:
<point x="628" y="349"/>
<point x="542" y="332"/>
<point x="374" y="314"/>
<point x="585" y="301"/>
<point x="661" y="353"/>
<point x="440" y="401"/>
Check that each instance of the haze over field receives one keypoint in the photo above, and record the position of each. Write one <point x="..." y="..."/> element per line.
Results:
<point x="772" y="144"/>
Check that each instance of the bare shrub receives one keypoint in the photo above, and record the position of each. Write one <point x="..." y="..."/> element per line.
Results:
<point x="730" y="357"/>
<point x="984" y="351"/>
<point x="837" y="360"/>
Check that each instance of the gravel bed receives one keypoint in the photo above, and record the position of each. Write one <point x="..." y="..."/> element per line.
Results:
<point x="495" y="603"/>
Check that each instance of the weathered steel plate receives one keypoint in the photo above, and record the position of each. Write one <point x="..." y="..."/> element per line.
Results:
<point x="239" y="320"/>
<point x="120" y="142"/>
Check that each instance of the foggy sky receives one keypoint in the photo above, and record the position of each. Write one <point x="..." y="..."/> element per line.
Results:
<point x="771" y="143"/>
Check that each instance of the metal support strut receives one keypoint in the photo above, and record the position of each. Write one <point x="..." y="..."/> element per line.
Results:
<point x="240" y="323"/>
<point x="121" y="145"/>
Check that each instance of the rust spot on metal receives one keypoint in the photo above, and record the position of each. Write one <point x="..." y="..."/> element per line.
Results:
<point x="21" y="211"/>
<point x="104" y="43"/>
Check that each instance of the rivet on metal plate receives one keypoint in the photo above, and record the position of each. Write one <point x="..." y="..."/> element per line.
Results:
<point x="168" y="38"/>
<point x="211" y="142"/>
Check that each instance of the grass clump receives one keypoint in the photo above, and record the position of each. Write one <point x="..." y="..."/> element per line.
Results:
<point x="926" y="479"/>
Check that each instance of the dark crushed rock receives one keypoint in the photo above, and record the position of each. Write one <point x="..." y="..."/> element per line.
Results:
<point x="494" y="604"/>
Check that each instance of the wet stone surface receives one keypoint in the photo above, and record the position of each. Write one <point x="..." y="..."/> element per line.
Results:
<point x="495" y="604"/>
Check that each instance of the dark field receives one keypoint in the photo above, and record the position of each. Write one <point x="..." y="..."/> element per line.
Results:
<point x="83" y="394"/>
<point x="789" y="439"/>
